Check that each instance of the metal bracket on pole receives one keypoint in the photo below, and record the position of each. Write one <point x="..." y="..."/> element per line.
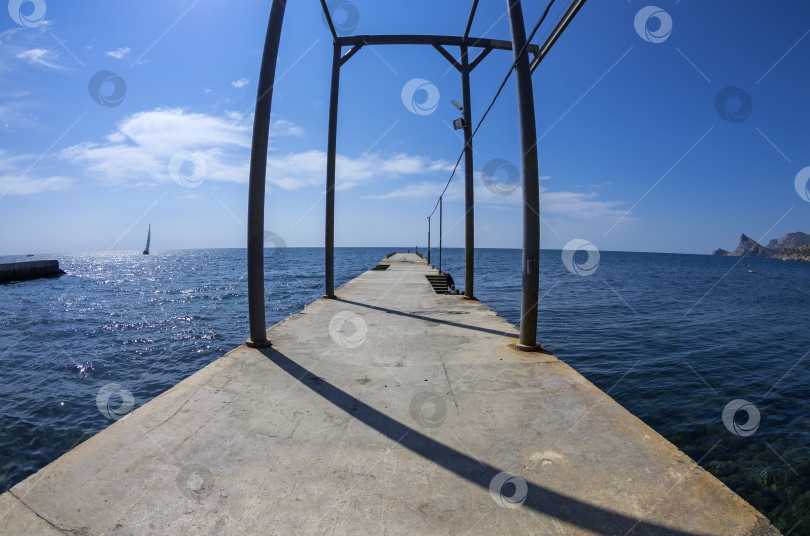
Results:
<point x="449" y="57"/>
<point x="258" y="177"/>
<point x="483" y="54"/>
<point x="350" y="53"/>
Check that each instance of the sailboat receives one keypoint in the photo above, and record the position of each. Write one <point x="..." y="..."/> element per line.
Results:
<point x="148" y="239"/>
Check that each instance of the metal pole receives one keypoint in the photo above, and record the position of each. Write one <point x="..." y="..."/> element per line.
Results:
<point x="330" y="176"/>
<point x="469" y="203"/>
<point x="440" y="233"/>
<point x="428" y="240"/>
<point x="531" y="193"/>
<point x="258" y="176"/>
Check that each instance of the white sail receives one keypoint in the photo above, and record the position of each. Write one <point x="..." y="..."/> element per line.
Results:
<point x="148" y="239"/>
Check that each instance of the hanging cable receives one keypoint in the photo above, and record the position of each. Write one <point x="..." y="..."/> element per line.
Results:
<point x="497" y="94"/>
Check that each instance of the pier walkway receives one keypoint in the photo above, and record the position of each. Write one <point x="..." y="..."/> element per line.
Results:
<point x="390" y="410"/>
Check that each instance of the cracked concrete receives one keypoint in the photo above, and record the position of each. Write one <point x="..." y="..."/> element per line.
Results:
<point x="390" y="410"/>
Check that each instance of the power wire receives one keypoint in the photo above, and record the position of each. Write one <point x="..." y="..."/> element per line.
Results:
<point x="497" y="94"/>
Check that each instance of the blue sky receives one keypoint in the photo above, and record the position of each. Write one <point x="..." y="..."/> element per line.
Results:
<point x="633" y="152"/>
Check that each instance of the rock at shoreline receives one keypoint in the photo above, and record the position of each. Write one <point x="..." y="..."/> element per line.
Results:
<point x="721" y="252"/>
<point x="801" y="254"/>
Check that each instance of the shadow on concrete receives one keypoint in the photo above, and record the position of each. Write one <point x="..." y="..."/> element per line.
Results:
<point x="430" y="319"/>
<point x="538" y="498"/>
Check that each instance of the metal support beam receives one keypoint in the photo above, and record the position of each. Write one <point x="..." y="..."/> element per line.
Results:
<point x="258" y="176"/>
<point x="530" y="172"/>
<point x="483" y="54"/>
<point x="555" y="34"/>
<point x="469" y="201"/>
<point x="440" y="234"/>
<point x="329" y="21"/>
<point x="470" y="19"/>
<point x="445" y="40"/>
<point x="449" y="57"/>
<point x="331" y="151"/>
<point x="350" y="53"/>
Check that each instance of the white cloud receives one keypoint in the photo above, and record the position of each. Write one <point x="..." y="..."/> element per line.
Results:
<point x="419" y="190"/>
<point x="282" y="127"/>
<point x="19" y="185"/>
<point x="239" y="84"/>
<point x="579" y="205"/>
<point x="16" y="180"/>
<point x="42" y="56"/>
<point x="118" y="53"/>
<point x="576" y="205"/>
<point x="143" y="144"/>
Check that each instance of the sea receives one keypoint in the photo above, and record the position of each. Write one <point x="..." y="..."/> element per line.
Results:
<point x="711" y="352"/>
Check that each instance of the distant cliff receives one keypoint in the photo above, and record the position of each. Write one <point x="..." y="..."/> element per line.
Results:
<point x="789" y="241"/>
<point x="801" y="253"/>
<point x="792" y="246"/>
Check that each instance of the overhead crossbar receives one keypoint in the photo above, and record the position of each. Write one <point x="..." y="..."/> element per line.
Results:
<point x="446" y="40"/>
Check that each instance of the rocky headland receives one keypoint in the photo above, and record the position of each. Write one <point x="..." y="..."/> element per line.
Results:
<point x="792" y="246"/>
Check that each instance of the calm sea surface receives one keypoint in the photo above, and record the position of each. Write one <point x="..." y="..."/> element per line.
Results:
<point x="673" y="338"/>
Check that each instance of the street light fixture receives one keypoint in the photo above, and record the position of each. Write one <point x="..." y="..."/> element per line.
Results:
<point x="458" y="124"/>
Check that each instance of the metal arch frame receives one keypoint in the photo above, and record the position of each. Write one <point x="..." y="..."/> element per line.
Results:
<point x="528" y="134"/>
<point x="465" y="67"/>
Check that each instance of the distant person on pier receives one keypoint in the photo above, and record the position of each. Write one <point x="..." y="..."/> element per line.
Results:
<point x="451" y="283"/>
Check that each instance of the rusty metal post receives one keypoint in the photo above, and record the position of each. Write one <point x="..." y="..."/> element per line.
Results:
<point x="440" y="233"/>
<point x="469" y="202"/>
<point x="258" y="176"/>
<point x="530" y="172"/>
<point x="331" y="153"/>
<point x="428" y="239"/>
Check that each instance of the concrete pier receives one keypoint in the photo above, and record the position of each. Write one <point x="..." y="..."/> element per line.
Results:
<point x="390" y="410"/>
<point x="22" y="271"/>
